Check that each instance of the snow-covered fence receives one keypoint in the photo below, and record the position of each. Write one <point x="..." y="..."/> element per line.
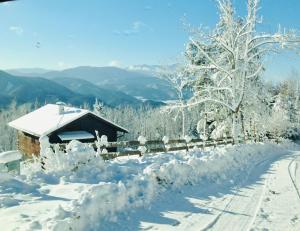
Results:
<point x="143" y="146"/>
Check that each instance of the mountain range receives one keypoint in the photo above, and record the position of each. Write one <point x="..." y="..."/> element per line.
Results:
<point x="111" y="85"/>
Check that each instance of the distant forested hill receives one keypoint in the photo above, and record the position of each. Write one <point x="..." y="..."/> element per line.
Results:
<point x="136" y="83"/>
<point x="76" y="92"/>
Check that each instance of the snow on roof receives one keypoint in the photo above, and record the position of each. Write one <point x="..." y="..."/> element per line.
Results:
<point x="9" y="156"/>
<point x="47" y="119"/>
<point x="75" y="135"/>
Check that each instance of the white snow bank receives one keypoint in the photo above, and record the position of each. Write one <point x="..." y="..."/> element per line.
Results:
<point x="10" y="186"/>
<point x="9" y="156"/>
<point x="119" y="186"/>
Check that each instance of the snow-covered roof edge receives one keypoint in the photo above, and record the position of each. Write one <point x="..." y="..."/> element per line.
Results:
<point x="11" y="124"/>
<point x="85" y="112"/>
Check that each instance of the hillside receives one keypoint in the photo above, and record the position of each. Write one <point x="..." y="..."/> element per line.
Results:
<point x="27" y="72"/>
<point x="28" y="90"/>
<point x="132" y="82"/>
<point x="73" y="91"/>
<point x="110" y="97"/>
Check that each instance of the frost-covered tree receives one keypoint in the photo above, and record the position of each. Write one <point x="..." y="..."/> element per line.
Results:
<point x="286" y="100"/>
<point x="98" y="108"/>
<point x="228" y="60"/>
<point x="179" y="80"/>
<point x="7" y="134"/>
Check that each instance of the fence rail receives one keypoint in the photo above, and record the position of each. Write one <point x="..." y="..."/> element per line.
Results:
<point x="128" y="148"/>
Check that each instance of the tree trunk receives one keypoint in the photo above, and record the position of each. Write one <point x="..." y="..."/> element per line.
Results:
<point x="205" y="126"/>
<point x="183" y="122"/>
<point x="234" y="124"/>
<point x="243" y="126"/>
<point x="251" y="130"/>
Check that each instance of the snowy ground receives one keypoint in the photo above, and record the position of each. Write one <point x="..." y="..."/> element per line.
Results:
<point x="267" y="199"/>
<point x="250" y="187"/>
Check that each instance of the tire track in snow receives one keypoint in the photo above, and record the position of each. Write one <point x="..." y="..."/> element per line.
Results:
<point x="265" y="188"/>
<point x="293" y="179"/>
<point x="211" y="224"/>
<point x="258" y="205"/>
<point x="215" y="220"/>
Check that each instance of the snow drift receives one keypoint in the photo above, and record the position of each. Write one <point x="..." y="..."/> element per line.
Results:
<point x="119" y="186"/>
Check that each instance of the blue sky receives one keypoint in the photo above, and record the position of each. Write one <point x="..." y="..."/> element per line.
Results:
<point x="58" y="34"/>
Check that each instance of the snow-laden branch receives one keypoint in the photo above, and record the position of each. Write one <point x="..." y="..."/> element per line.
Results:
<point x="210" y="58"/>
<point x="212" y="100"/>
<point x="228" y="60"/>
<point x="256" y="73"/>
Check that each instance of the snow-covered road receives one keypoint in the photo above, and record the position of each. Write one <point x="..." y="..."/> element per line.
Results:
<point x="267" y="199"/>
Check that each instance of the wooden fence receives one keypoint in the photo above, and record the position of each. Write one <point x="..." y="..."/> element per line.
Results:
<point x="135" y="147"/>
<point x="128" y="148"/>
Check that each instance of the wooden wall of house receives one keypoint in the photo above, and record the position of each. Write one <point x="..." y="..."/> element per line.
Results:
<point x="27" y="144"/>
<point x="88" y="123"/>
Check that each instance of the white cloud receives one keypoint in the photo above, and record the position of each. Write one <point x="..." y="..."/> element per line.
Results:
<point x="16" y="29"/>
<point x="114" y="63"/>
<point x="148" y="8"/>
<point x="6" y="4"/>
<point x="137" y="25"/>
<point x="62" y="65"/>
<point x="135" y="28"/>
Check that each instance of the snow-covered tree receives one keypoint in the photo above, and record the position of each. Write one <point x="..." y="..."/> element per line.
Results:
<point x="98" y="108"/>
<point x="179" y="80"/>
<point x="228" y="60"/>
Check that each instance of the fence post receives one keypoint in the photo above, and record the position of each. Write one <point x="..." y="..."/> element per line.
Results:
<point x="104" y="144"/>
<point x="166" y="140"/>
<point x="45" y="146"/>
<point x="187" y="141"/>
<point x="98" y="144"/>
<point x="142" y="148"/>
<point x="101" y="144"/>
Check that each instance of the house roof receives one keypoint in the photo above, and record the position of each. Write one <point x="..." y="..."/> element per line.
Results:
<point x="47" y="119"/>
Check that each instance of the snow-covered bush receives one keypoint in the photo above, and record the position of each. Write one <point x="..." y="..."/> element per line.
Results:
<point x="56" y="160"/>
<point x="187" y="138"/>
<point x="142" y="140"/>
<point x="165" y="139"/>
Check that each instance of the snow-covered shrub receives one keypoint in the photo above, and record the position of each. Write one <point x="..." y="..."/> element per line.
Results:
<point x="142" y="140"/>
<point x="142" y="149"/>
<point x="165" y="139"/>
<point x="53" y="161"/>
<point x="278" y="123"/>
<point x="104" y="140"/>
<point x="220" y="130"/>
<point x="187" y="138"/>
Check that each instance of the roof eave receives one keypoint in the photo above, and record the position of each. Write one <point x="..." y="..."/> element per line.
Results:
<point x="119" y="128"/>
<point x="23" y="130"/>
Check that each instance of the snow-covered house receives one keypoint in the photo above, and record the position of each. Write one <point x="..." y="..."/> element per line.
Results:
<point x="61" y="124"/>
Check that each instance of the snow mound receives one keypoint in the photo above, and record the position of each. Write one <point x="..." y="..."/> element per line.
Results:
<point x="9" y="156"/>
<point x="111" y="189"/>
<point x="125" y="185"/>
